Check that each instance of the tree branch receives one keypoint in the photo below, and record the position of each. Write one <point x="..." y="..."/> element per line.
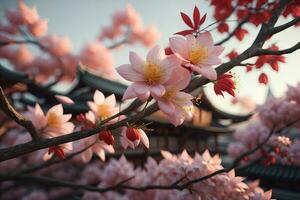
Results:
<point x="279" y="52"/>
<point x="284" y="26"/>
<point x="10" y="111"/>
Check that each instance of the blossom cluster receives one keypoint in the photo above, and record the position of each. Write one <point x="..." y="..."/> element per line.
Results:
<point x="56" y="57"/>
<point x="130" y="20"/>
<point x="170" y="169"/>
<point x="164" y="76"/>
<point x="273" y="116"/>
<point x="55" y="123"/>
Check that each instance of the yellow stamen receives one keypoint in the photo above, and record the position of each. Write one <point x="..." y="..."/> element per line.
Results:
<point x="198" y="54"/>
<point x="169" y="94"/>
<point x="103" y="111"/>
<point x="153" y="73"/>
<point x="52" y="120"/>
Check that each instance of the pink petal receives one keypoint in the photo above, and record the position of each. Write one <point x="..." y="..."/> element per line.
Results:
<point x="166" y="155"/>
<point x="156" y="54"/>
<point x="217" y="50"/>
<point x="86" y="156"/>
<point x="99" y="151"/>
<point x="142" y="90"/>
<point x="213" y="60"/>
<point x="205" y="39"/>
<point x="98" y="97"/>
<point x="158" y="90"/>
<point x="179" y="79"/>
<point x="168" y="65"/>
<point x="93" y="106"/>
<point x="57" y="109"/>
<point x="179" y="46"/>
<point x="65" y="118"/>
<point x="183" y="99"/>
<point x="109" y="148"/>
<point x="128" y="73"/>
<point x="166" y="107"/>
<point x="191" y="41"/>
<point x="64" y="99"/>
<point x="176" y="118"/>
<point x="136" y="62"/>
<point x="111" y="100"/>
<point x="144" y="138"/>
<point x="207" y="71"/>
<point x="90" y="116"/>
<point x="129" y="93"/>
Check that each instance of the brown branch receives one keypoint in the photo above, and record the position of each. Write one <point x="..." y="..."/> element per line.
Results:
<point x="10" y="111"/>
<point x="284" y="26"/>
<point x="279" y="52"/>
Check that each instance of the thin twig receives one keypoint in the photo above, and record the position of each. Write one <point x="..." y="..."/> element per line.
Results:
<point x="10" y="111"/>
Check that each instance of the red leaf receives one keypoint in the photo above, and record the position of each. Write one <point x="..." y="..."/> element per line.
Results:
<point x="196" y="17"/>
<point x="185" y="32"/>
<point x="202" y="20"/>
<point x="187" y="20"/>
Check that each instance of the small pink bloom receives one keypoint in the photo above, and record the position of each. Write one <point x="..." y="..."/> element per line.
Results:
<point x="150" y="36"/>
<point x="53" y="124"/>
<point x="129" y="16"/>
<point x="39" y="28"/>
<point x="96" y="56"/>
<point x="21" y="57"/>
<point x="98" y="148"/>
<point x="198" y="53"/>
<point x="103" y="107"/>
<point x="55" y="45"/>
<point x="148" y="76"/>
<point x="64" y="99"/>
<point x="131" y="137"/>
<point x="27" y="15"/>
<point x="175" y="104"/>
<point x="110" y="32"/>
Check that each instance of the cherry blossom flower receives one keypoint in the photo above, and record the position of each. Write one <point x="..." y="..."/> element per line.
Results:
<point x="129" y="16"/>
<point x="99" y="147"/>
<point x="55" y="45"/>
<point x="39" y="28"/>
<point x="131" y="137"/>
<point x="198" y="53"/>
<point x="175" y="104"/>
<point x="103" y="107"/>
<point x="97" y="57"/>
<point x="53" y="124"/>
<point x="148" y="76"/>
<point x="96" y="144"/>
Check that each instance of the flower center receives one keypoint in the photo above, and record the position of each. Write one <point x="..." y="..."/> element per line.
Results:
<point x="52" y="120"/>
<point x="153" y="74"/>
<point x="169" y="94"/>
<point x="198" y="54"/>
<point x="103" y="111"/>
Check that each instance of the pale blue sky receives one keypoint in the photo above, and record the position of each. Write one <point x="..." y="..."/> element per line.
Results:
<point x="81" y="20"/>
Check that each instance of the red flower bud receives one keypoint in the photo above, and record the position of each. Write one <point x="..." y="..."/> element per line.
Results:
<point x="57" y="150"/>
<point x="107" y="137"/>
<point x="132" y="134"/>
<point x="263" y="78"/>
